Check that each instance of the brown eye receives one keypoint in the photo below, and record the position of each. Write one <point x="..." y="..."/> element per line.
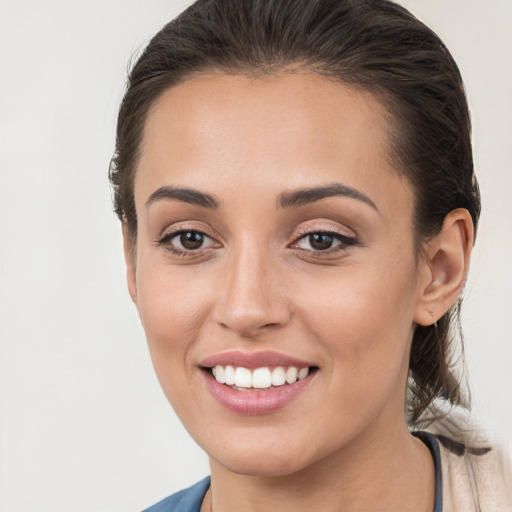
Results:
<point x="187" y="241"/>
<point x="191" y="240"/>
<point x="324" y="241"/>
<point x="320" y="241"/>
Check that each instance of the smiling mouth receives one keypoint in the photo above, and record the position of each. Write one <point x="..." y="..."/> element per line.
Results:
<point x="257" y="379"/>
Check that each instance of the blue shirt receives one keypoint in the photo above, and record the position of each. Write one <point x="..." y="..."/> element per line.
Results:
<point x="189" y="500"/>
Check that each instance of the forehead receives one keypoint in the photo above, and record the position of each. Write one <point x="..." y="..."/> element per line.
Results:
<point x="220" y="129"/>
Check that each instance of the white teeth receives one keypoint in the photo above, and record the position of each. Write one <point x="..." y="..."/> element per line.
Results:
<point x="259" y="378"/>
<point x="291" y="375"/>
<point x="278" y="376"/>
<point x="220" y="374"/>
<point x="303" y="373"/>
<point x="230" y="375"/>
<point x="243" y="377"/>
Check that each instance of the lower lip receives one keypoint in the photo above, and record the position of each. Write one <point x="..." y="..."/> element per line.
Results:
<point x="255" y="402"/>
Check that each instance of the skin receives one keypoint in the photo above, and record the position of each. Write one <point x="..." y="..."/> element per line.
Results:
<point x="257" y="283"/>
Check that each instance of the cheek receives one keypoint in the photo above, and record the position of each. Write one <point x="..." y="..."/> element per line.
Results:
<point x="172" y="308"/>
<point x="363" y="302"/>
<point x="364" y="320"/>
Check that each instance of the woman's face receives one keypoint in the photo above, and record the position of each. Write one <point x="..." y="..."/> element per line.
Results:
<point x="274" y="235"/>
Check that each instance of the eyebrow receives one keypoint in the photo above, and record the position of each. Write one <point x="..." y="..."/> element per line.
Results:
<point x="285" y="200"/>
<point x="310" y="195"/>
<point x="186" y="195"/>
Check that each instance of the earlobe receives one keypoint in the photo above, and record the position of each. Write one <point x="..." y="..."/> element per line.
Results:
<point x="129" y="258"/>
<point x="447" y="258"/>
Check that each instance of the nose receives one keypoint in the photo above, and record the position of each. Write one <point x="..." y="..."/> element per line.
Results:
<point x="252" y="297"/>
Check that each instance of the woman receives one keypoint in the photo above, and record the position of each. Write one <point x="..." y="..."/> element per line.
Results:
<point x="296" y="190"/>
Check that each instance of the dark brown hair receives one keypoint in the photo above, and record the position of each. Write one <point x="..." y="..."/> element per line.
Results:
<point x="375" y="45"/>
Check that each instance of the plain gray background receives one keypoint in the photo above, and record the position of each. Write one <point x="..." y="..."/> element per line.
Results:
<point x="83" y="423"/>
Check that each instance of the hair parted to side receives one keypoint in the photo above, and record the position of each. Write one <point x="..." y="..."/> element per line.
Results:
<point x="375" y="45"/>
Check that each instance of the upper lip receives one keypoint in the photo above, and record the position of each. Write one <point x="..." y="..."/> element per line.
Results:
<point x="251" y="360"/>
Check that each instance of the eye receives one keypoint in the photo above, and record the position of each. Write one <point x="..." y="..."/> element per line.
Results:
<point x="323" y="241"/>
<point x="317" y="241"/>
<point x="186" y="240"/>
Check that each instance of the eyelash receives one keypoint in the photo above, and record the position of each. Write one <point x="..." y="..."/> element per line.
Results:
<point x="345" y="242"/>
<point x="165" y="239"/>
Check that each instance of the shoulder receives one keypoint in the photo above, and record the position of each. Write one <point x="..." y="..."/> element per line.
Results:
<point x="475" y="476"/>
<point x="187" y="500"/>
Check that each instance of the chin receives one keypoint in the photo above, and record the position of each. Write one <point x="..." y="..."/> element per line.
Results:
<point x="262" y="456"/>
<point x="262" y="465"/>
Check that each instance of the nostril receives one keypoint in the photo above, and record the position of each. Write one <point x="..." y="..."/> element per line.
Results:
<point x="247" y="324"/>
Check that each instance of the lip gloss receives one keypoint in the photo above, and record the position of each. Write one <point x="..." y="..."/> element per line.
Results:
<point x="255" y="401"/>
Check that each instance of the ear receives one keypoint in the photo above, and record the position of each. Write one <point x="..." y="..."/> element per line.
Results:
<point x="131" y="267"/>
<point x="446" y="264"/>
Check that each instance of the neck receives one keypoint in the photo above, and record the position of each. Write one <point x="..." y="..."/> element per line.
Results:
<point x="389" y="470"/>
